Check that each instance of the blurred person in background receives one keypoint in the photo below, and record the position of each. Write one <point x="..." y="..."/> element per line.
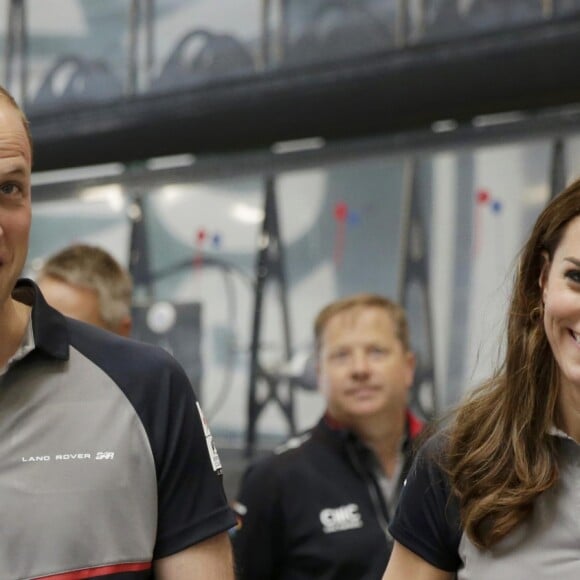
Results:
<point x="86" y="283"/>
<point x="319" y="507"/>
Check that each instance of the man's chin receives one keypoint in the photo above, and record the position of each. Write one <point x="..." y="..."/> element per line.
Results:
<point x="364" y="410"/>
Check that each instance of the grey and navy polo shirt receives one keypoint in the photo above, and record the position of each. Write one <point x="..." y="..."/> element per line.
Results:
<point x="544" y="546"/>
<point x="106" y="462"/>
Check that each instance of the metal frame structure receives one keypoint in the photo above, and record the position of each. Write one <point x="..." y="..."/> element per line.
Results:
<point x="16" y="60"/>
<point x="361" y="106"/>
<point x="268" y="388"/>
<point x="415" y="271"/>
<point x="558" y="167"/>
<point x="270" y="269"/>
<point x="358" y="97"/>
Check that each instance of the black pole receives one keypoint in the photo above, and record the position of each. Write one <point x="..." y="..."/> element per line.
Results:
<point x="270" y="268"/>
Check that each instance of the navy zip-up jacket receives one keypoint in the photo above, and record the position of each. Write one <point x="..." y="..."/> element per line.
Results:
<point x="315" y="510"/>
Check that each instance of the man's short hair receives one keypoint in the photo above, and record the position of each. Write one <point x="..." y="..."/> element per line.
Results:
<point x="360" y="301"/>
<point x="93" y="268"/>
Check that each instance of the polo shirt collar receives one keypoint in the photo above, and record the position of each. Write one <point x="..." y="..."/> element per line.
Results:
<point x="553" y="430"/>
<point x="50" y="332"/>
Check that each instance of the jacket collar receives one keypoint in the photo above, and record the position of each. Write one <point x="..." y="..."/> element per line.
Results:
<point x="414" y="426"/>
<point x="330" y="430"/>
<point x="49" y="326"/>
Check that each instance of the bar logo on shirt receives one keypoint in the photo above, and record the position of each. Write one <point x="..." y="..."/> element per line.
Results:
<point x="340" y="519"/>
<point x="211" y="448"/>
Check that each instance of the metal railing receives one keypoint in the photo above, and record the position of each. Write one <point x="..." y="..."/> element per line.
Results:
<point x="333" y="29"/>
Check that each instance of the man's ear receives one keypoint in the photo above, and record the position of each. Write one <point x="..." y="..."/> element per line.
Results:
<point x="125" y="326"/>
<point x="321" y="378"/>
<point x="411" y="367"/>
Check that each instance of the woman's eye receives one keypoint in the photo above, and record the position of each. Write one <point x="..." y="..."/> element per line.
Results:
<point x="573" y="275"/>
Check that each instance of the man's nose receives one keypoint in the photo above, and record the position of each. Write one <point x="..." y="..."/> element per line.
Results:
<point x="360" y="364"/>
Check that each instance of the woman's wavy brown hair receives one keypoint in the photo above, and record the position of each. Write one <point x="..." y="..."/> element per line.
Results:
<point x="499" y="454"/>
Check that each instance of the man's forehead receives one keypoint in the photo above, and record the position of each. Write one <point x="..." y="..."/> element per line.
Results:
<point x="371" y="318"/>
<point x="15" y="150"/>
<point x="354" y="314"/>
<point x="16" y="165"/>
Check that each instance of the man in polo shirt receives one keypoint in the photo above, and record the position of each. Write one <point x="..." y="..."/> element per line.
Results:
<point x="320" y="506"/>
<point x="107" y="467"/>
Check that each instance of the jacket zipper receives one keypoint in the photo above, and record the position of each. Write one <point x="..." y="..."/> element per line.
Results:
<point x="373" y="491"/>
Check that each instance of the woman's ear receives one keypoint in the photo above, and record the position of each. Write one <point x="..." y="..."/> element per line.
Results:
<point x="544" y="273"/>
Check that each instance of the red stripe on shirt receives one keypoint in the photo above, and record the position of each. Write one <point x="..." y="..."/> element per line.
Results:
<point x="100" y="571"/>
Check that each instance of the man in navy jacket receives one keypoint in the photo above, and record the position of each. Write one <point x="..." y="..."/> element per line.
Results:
<point x="320" y="506"/>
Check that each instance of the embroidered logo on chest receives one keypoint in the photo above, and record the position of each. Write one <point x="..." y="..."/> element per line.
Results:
<point x="340" y="519"/>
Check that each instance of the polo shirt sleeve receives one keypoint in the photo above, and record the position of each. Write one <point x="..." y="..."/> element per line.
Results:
<point x="260" y="536"/>
<point x="190" y="505"/>
<point x="427" y="516"/>
<point x="191" y="500"/>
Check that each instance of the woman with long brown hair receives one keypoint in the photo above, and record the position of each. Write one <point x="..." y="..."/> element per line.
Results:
<point x="496" y="493"/>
